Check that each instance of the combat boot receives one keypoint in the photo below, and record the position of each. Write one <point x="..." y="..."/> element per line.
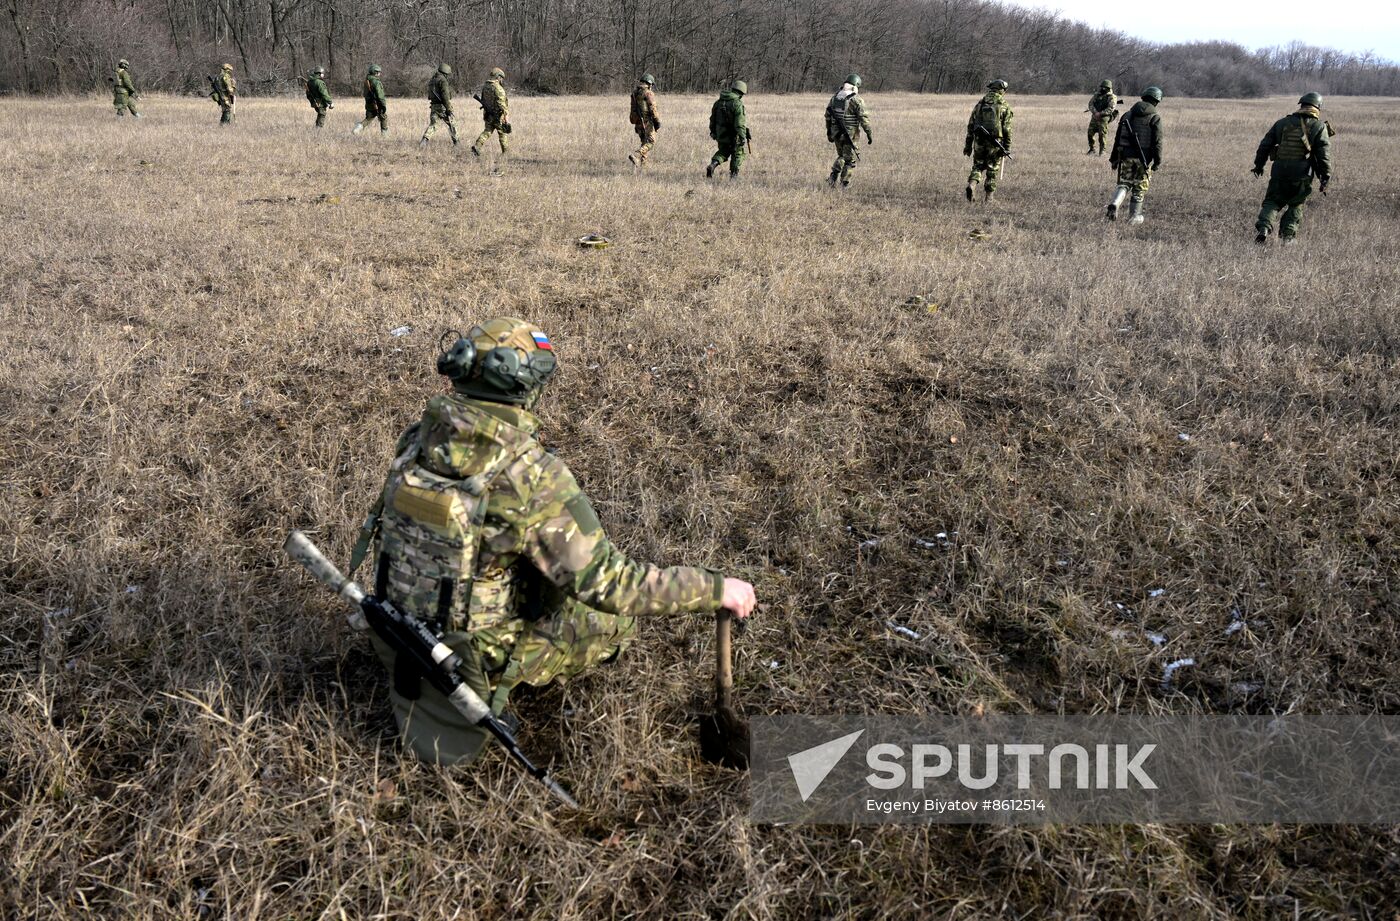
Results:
<point x="1135" y="213"/>
<point x="1116" y="203"/>
<point x="710" y="170"/>
<point x="831" y="180"/>
<point x="1262" y="238"/>
<point x="987" y="196"/>
<point x="969" y="191"/>
<point x="1287" y="241"/>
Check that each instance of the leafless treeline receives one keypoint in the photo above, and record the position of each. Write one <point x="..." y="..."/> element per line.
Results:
<point x="598" y="45"/>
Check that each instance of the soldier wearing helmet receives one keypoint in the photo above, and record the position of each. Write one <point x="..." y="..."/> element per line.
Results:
<point x="1102" y="111"/>
<point x="485" y="536"/>
<point x="1136" y="154"/>
<point x="846" y="117"/>
<point x="440" y="105"/>
<point x="988" y="139"/>
<point x="376" y="104"/>
<point x="319" y="95"/>
<point x="729" y="127"/>
<point x="123" y="90"/>
<point x="495" y="114"/>
<point x="645" y="118"/>
<point x="1301" y="147"/>
<point x="225" y="94"/>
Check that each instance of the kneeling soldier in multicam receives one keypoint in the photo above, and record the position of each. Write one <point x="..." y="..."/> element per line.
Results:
<point x="988" y="138"/>
<point x="123" y="90"/>
<point x="1102" y="111"/>
<point x="1137" y="151"/>
<point x="846" y="117"/>
<point x="376" y="105"/>
<point x="645" y="117"/>
<point x="1301" y="147"/>
<point x="319" y="95"/>
<point x="488" y="538"/>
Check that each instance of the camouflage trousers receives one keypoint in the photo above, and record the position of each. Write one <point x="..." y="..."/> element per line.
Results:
<point x="372" y="113"/>
<point x="320" y="115"/>
<point x="986" y="158"/>
<point x="733" y="153"/>
<point x="1098" y="131"/>
<point x="225" y="112"/>
<point x="1135" y="175"/>
<point x="1284" y="201"/>
<point x="124" y="104"/>
<point x="646" y="134"/>
<point x="484" y="138"/>
<point x="847" y="158"/>
<point x="558" y="647"/>
<point x="437" y="113"/>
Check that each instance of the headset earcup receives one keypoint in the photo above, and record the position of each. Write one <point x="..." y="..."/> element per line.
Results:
<point x="501" y="369"/>
<point x="456" y="362"/>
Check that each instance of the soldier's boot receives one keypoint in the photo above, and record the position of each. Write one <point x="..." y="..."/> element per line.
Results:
<point x="1287" y="241"/>
<point x="835" y="175"/>
<point x="632" y="158"/>
<point x="1261" y="236"/>
<point x="988" y="193"/>
<point x="1135" y="212"/>
<point x="1116" y="203"/>
<point x="968" y="191"/>
<point x="710" y="170"/>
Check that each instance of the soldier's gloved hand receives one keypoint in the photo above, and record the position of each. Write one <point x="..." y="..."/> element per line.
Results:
<point x="656" y="124"/>
<point x="1258" y="171"/>
<point x="1322" y="186"/>
<point x="869" y="139"/>
<point x="738" y="598"/>
<point x="967" y="150"/>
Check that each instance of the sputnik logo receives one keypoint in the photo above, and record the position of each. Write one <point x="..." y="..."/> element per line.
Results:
<point x="811" y="766"/>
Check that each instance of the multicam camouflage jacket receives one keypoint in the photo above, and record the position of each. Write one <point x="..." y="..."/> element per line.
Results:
<point x="1101" y="106"/>
<point x="122" y="85"/>
<point x="644" y="111"/>
<point x="487" y="569"/>
<point x="495" y="107"/>
<point x="990" y="120"/>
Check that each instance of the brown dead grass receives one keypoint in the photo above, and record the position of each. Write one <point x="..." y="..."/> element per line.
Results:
<point x="197" y="359"/>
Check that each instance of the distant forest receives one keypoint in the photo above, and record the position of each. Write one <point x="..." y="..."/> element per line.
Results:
<point x="587" y="46"/>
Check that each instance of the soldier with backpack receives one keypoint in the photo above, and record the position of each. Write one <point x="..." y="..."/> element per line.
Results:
<point x="124" y="91"/>
<point x="376" y="105"/>
<point x="645" y="118"/>
<point x="225" y="93"/>
<point x="846" y="117"/>
<point x="440" y="105"/>
<point x="1301" y="147"/>
<point x="1137" y="152"/>
<point x="485" y="536"/>
<point x="495" y="114"/>
<point x="319" y="95"/>
<point x="729" y="127"/>
<point x="988" y="139"/>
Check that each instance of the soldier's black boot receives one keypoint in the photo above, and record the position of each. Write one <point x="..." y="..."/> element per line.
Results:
<point x="710" y="170"/>
<point x="831" y="180"/>
<point x="968" y="191"/>
<point x="1262" y="238"/>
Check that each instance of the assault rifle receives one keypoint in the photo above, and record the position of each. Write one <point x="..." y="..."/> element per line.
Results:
<point x="1128" y="124"/>
<point x="505" y="128"/>
<point x="997" y="141"/>
<point x="216" y="92"/>
<point x="430" y="657"/>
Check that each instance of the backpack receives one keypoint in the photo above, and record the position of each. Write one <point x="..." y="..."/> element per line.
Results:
<point x="836" y="117"/>
<point x="987" y="116"/>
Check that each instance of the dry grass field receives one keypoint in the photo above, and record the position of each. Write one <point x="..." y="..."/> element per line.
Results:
<point x="197" y="357"/>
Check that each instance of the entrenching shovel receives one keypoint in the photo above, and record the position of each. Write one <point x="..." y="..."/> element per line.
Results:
<point x="724" y="734"/>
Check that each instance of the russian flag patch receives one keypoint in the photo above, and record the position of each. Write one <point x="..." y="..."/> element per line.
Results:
<point x="542" y="341"/>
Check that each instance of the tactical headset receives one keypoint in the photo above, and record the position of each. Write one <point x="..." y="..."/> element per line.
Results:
<point x="501" y="369"/>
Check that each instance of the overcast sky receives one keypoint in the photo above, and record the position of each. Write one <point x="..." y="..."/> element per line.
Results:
<point x="1350" y="25"/>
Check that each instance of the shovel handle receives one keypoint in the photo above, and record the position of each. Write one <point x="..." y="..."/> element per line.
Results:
<point x="724" y="659"/>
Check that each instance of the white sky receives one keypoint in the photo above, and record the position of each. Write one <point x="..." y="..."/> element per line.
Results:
<point x="1349" y="25"/>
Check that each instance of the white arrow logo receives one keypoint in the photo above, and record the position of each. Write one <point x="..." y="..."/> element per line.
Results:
<point x="810" y="767"/>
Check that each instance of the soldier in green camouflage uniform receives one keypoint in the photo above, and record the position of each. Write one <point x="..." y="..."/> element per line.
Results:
<point x="846" y="117"/>
<point x="495" y="113"/>
<point x="319" y="95"/>
<point x="225" y="94"/>
<point x="488" y="538"/>
<point x="1301" y="147"/>
<point x="729" y="127"/>
<point x="124" y="91"/>
<point x="988" y="139"/>
<point x="440" y="104"/>
<point x="1102" y="112"/>
<point x="1137" y="151"/>
<point x="645" y="117"/>
<point x="376" y="105"/>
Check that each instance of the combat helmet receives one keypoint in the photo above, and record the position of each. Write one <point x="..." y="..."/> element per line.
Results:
<point x="497" y="74"/>
<point x="648" y="79"/>
<point x="123" y="63"/>
<point x="853" y="80"/>
<point x="375" y="69"/>
<point x="1311" y="99"/>
<point x="1152" y="94"/>
<point x="998" y="85"/>
<point x="1106" y="85"/>
<point x="228" y="67"/>
<point x="319" y="71"/>
<point x="504" y="360"/>
<point x="740" y="87"/>
<point x="445" y="69"/>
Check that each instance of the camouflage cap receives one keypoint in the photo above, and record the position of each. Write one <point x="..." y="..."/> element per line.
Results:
<point x="497" y="74"/>
<point x="853" y="80"/>
<point x="445" y="69"/>
<point x="740" y="87"/>
<point x="1153" y="93"/>
<point x="228" y="67"/>
<point x="998" y="85"/>
<point x="648" y="79"/>
<point x="510" y="361"/>
<point x="1311" y="99"/>
<point x="375" y="69"/>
